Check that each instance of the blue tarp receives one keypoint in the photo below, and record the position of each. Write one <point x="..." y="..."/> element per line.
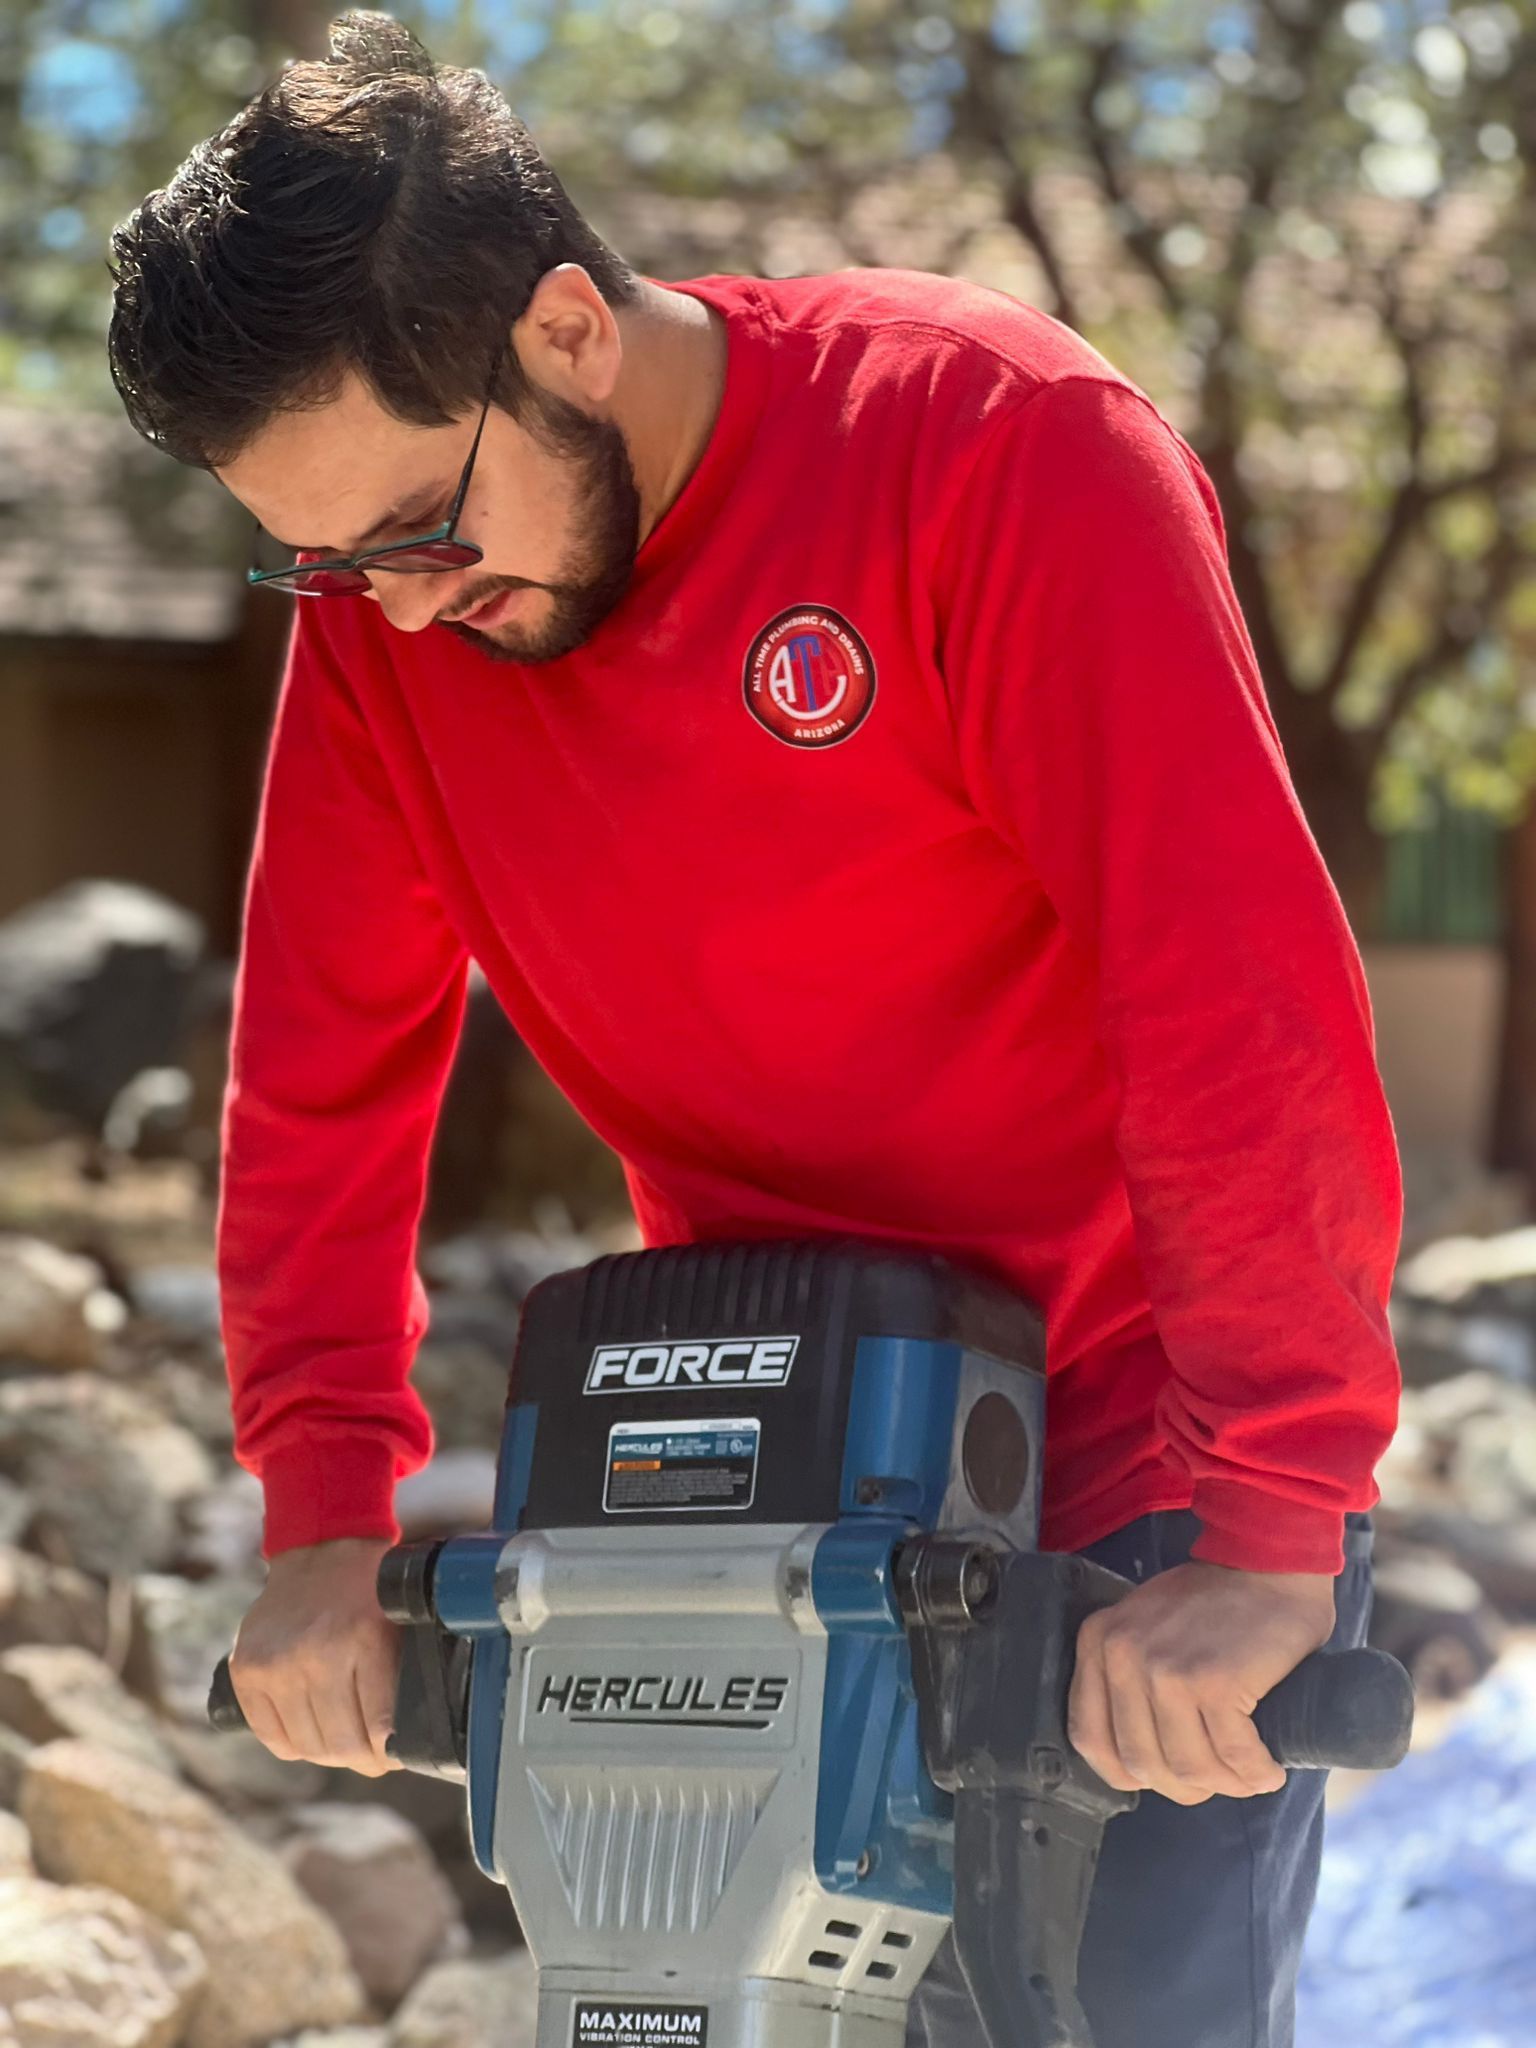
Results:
<point x="1425" y="1929"/>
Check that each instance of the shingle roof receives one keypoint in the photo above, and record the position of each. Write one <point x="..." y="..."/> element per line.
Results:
<point x="102" y="537"/>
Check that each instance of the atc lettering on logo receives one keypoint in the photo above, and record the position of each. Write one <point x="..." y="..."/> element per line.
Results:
<point x="702" y="1362"/>
<point x="809" y="677"/>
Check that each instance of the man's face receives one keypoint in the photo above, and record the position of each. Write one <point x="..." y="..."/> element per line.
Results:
<point x="553" y="502"/>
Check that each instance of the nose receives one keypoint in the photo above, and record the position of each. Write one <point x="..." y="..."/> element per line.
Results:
<point x="412" y="602"/>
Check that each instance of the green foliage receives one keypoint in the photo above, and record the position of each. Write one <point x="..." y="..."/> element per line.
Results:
<point x="1304" y="228"/>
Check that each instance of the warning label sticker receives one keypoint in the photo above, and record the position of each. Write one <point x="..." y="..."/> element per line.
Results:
<point x="667" y="1468"/>
<point x="611" y="2025"/>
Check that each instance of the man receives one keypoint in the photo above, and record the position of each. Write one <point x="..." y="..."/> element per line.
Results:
<point x="822" y="709"/>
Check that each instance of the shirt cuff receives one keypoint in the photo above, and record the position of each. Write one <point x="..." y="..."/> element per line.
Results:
<point x="321" y="1492"/>
<point x="1250" y="1530"/>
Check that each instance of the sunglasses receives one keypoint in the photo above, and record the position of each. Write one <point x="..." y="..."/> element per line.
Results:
<point x="317" y="574"/>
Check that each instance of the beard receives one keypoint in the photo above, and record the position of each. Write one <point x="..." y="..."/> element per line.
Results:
<point x="597" y="571"/>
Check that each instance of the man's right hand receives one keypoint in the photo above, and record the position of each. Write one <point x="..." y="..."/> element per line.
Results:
<point x="315" y="1661"/>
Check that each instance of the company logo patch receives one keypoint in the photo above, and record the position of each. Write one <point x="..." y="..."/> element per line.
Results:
<point x="695" y="1362"/>
<point x="809" y="677"/>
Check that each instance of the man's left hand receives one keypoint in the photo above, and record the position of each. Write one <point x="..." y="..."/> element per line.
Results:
<point x="1167" y="1679"/>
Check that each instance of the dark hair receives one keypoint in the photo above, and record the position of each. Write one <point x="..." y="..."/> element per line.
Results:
<point x="367" y="210"/>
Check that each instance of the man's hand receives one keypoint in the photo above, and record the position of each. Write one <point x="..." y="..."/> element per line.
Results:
<point x="1167" y="1679"/>
<point x="315" y="1661"/>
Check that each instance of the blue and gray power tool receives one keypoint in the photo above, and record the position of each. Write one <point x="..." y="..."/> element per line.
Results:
<point x="758" y="1679"/>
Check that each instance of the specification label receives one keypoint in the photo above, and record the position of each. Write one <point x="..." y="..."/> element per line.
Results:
<point x="666" y="1468"/>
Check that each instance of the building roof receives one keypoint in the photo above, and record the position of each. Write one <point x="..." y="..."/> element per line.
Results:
<point x="102" y="537"/>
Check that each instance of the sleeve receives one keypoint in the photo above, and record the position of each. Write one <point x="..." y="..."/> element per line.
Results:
<point x="1113" y="728"/>
<point x="348" y="1003"/>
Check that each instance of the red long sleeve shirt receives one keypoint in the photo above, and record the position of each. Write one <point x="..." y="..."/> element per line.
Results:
<point x="911" y="854"/>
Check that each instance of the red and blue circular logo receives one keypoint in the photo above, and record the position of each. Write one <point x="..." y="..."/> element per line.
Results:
<point x="809" y="677"/>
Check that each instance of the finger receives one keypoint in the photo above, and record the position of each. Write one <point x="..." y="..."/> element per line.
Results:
<point x="340" y="1721"/>
<point x="263" y="1717"/>
<point x="378" y="1722"/>
<point x="268" y="1726"/>
<point x="304" y="1736"/>
<point x="1089" y="1727"/>
<point x="1136" y="1735"/>
<point x="1185" y="1738"/>
<point x="1241" y="1749"/>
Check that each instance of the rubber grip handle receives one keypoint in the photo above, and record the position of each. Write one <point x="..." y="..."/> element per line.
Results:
<point x="224" y="1710"/>
<point x="1339" y="1709"/>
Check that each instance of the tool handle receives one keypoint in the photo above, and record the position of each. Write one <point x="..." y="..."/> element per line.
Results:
<point x="1339" y="1709"/>
<point x="224" y="1710"/>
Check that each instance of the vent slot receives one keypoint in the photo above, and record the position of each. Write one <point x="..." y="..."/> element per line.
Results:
<point x="881" y="1970"/>
<point x="843" y="1930"/>
<point x="824" y="1959"/>
<point x="895" y="1940"/>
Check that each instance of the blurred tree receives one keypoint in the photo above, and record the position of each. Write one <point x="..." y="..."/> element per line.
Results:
<point x="1305" y="228"/>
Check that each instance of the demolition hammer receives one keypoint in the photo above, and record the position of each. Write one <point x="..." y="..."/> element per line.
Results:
<point x="758" y="1678"/>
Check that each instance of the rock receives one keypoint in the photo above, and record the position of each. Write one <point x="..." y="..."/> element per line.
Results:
<point x="1500" y="1556"/>
<point x="81" y="1967"/>
<point x="50" y="1690"/>
<point x="15" y="1750"/>
<point x="338" y="2037"/>
<point x="224" y="1527"/>
<point x="15" y="1846"/>
<point x="50" y="1603"/>
<point x="184" y="1299"/>
<point x="454" y="1491"/>
<point x="471" y="2005"/>
<point x="280" y="1964"/>
<point x="1431" y="1616"/>
<point x="94" y="983"/>
<point x="184" y="1628"/>
<point x="15" y="1512"/>
<point x="54" y="1309"/>
<point x="106" y="1470"/>
<point x="505" y="1263"/>
<point x="192" y="1393"/>
<point x="1455" y="1268"/>
<point x="462" y="1380"/>
<point x="150" y="1116"/>
<point x="374" y="1874"/>
<point x="242" y="1773"/>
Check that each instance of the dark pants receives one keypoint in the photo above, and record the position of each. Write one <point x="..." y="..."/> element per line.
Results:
<point x="1198" y="1912"/>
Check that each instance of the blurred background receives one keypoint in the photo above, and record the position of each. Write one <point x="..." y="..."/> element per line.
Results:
<point x="1308" y="231"/>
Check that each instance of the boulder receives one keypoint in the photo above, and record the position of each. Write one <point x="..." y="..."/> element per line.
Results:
<point x="183" y="1627"/>
<point x="374" y="1874"/>
<point x="471" y="2004"/>
<point x="106" y="1471"/>
<point x="94" y="985"/>
<point x="54" y="1308"/>
<point x="454" y="1491"/>
<point x="82" y="1967"/>
<point x="181" y="1299"/>
<point x="49" y="1603"/>
<point x="241" y="1773"/>
<point x="49" y="1690"/>
<point x="15" y="1750"/>
<point x="279" y="1962"/>
<point x="15" y="1846"/>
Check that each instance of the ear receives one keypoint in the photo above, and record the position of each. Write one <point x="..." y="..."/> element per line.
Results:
<point x="568" y="339"/>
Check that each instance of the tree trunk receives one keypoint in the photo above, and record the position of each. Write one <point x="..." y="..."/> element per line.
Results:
<point x="1333" y="772"/>
<point x="1512" y="1139"/>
